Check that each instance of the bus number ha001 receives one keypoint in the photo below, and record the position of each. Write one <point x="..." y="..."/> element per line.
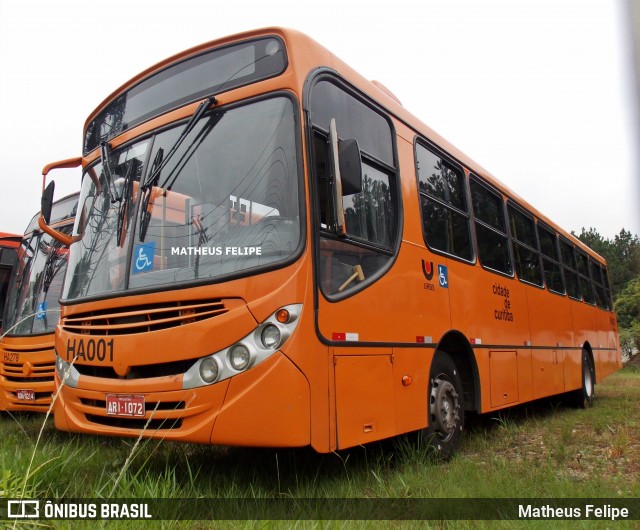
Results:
<point x="90" y="350"/>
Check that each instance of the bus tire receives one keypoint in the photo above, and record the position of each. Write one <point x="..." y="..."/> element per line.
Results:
<point x="583" y="397"/>
<point x="445" y="408"/>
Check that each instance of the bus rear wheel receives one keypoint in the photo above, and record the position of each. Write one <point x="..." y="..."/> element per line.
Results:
<point x="445" y="407"/>
<point x="583" y="397"/>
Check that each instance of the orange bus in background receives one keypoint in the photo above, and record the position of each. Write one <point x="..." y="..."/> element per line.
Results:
<point x="271" y="251"/>
<point x="27" y="360"/>
<point x="9" y="244"/>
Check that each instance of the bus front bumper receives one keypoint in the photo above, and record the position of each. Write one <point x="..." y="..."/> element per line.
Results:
<point x="266" y="406"/>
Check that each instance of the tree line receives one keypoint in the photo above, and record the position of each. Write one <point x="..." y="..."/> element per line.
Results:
<point x="622" y="253"/>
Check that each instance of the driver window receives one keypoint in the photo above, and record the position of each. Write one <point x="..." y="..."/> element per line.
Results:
<point x="347" y="262"/>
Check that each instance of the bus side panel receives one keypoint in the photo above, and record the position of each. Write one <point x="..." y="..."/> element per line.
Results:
<point x="490" y="309"/>
<point x="607" y="354"/>
<point x="364" y="395"/>
<point x="504" y="377"/>
<point x="380" y="395"/>
<point x="410" y="387"/>
<point x="572" y="369"/>
<point x="398" y="307"/>
<point x="551" y="323"/>
<point x="584" y="325"/>
<point x="614" y="341"/>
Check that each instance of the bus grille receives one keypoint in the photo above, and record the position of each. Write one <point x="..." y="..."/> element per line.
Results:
<point x="137" y="372"/>
<point x="39" y="372"/>
<point x="28" y="374"/>
<point x="144" y="318"/>
<point x="130" y="423"/>
<point x="156" y="422"/>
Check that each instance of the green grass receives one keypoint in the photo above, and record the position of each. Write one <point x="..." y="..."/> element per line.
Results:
<point x="544" y="449"/>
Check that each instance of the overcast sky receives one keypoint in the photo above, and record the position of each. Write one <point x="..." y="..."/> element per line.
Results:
<point x="540" y="93"/>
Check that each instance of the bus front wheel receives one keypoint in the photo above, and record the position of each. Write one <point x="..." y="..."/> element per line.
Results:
<point x="445" y="407"/>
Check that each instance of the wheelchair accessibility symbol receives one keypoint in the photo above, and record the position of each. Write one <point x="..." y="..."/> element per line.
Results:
<point x="143" y="257"/>
<point x="443" y="276"/>
<point x="41" y="313"/>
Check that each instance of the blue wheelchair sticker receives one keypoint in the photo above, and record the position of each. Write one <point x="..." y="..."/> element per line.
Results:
<point x="443" y="276"/>
<point x="41" y="313"/>
<point x="143" y="257"/>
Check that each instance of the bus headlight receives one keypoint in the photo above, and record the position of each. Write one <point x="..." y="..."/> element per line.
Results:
<point x="266" y="339"/>
<point x="239" y="357"/>
<point x="67" y="373"/>
<point x="270" y="336"/>
<point x="62" y="366"/>
<point x="209" y="370"/>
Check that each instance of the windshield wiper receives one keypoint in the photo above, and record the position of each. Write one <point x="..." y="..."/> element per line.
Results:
<point x="125" y="198"/>
<point x="106" y="167"/>
<point x="159" y="163"/>
<point x="146" y="190"/>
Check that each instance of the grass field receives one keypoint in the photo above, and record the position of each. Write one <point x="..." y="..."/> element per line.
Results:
<point x="541" y="450"/>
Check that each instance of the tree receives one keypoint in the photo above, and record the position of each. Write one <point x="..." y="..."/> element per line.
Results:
<point x="623" y="264"/>
<point x="630" y="342"/>
<point x="622" y="255"/>
<point x="627" y="305"/>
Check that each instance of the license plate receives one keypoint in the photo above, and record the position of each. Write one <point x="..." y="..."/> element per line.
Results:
<point x="26" y="395"/>
<point x="131" y="405"/>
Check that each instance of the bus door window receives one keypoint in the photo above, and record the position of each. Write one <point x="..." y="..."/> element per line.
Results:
<point x="347" y="261"/>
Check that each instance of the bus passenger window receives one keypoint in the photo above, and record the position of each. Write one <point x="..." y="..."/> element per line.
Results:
<point x="570" y="269"/>
<point x="550" y="260"/>
<point x="445" y="216"/>
<point x="525" y="247"/>
<point x="598" y="287"/>
<point x="585" y="281"/>
<point x="607" y="288"/>
<point x="491" y="231"/>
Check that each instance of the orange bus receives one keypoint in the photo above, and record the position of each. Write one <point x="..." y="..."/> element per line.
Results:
<point x="271" y="251"/>
<point x="27" y="360"/>
<point x="9" y="244"/>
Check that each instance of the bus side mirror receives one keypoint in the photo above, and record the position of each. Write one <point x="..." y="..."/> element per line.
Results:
<point x="46" y="203"/>
<point x="350" y="166"/>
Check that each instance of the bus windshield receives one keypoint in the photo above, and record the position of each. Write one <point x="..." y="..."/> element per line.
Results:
<point x="225" y="203"/>
<point x="32" y="301"/>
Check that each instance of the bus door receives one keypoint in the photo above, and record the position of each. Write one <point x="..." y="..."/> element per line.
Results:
<point x="362" y="309"/>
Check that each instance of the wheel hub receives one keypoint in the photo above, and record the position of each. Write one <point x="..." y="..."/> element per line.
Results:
<point x="444" y="407"/>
